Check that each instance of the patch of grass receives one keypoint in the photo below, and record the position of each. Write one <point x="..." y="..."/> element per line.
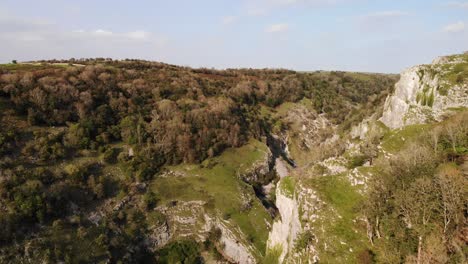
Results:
<point x="455" y="74"/>
<point x="187" y="251"/>
<point x="272" y="256"/>
<point x="395" y="140"/>
<point x="339" y="234"/>
<point x="356" y="161"/>
<point x="339" y="192"/>
<point x="287" y="186"/>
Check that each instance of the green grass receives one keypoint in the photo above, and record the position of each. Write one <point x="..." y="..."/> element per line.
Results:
<point x="216" y="182"/>
<point x="395" y="140"/>
<point x="456" y="74"/>
<point x="272" y="256"/>
<point x="287" y="186"/>
<point x="337" y="226"/>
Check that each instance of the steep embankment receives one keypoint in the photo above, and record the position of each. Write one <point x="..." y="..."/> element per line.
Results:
<point x="427" y="93"/>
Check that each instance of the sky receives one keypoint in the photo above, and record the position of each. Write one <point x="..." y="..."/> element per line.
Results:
<point x="306" y="35"/>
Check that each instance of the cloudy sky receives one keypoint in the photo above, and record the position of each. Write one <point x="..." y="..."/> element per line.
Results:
<point x="355" y="35"/>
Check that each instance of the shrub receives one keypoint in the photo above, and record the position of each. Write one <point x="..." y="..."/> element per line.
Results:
<point x="110" y="155"/>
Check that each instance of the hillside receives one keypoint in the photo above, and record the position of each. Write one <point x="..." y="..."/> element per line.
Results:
<point x="143" y="162"/>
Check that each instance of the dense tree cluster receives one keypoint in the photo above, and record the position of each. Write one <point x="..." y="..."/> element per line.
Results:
<point x="188" y="114"/>
<point x="417" y="209"/>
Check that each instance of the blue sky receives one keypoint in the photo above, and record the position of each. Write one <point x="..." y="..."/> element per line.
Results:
<point x="352" y="35"/>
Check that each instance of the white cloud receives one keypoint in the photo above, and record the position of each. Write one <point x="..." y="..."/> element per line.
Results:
<point x="139" y="35"/>
<point x="277" y="28"/>
<point x="457" y="4"/>
<point x="28" y="39"/>
<point x="229" y="20"/>
<point x="103" y="32"/>
<point x="455" y="27"/>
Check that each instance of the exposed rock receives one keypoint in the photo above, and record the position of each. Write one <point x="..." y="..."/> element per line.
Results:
<point x="313" y="128"/>
<point x="356" y="178"/>
<point x="363" y="129"/>
<point x="232" y="247"/>
<point x="95" y="218"/>
<point x="418" y="97"/>
<point x="235" y="250"/>
<point x="259" y="172"/>
<point x="188" y="219"/>
<point x="185" y="218"/>
<point x="159" y="237"/>
<point x="286" y="229"/>
<point x="334" y="165"/>
<point x="281" y="168"/>
<point x="360" y="130"/>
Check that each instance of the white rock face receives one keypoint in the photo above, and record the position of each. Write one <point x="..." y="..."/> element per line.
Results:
<point x="405" y="106"/>
<point x="230" y="245"/>
<point x="281" y="168"/>
<point x="234" y="249"/>
<point x="397" y="105"/>
<point x="360" y="130"/>
<point x="285" y="230"/>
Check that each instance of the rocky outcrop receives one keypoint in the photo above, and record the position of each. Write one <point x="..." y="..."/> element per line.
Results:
<point x="259" y="172"/>
<point x="189" y="219"/>
<point x="231" y="245"/>
<point x="232" y="248"/>
<point x="286" y="229"/>
<point x="425" y="93"/>
<point x="159" y="237"/>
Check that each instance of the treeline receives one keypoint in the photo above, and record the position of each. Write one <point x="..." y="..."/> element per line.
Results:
<point x="417" y="208"/>
<point x="184" y="114"/>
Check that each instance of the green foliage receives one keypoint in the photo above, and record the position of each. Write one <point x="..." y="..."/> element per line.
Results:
<point x="287" y="186"/>
<point x="273" y="254"/>
<point x="356" y="161"/>
<point x="303" y="241"/>
<point x="419" y="202"/>
<point x="110" y="155"/>
<point x="184" y="252"/>
<point x="150" y="200"/>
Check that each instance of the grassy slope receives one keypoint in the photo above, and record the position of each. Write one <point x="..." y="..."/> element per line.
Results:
<point x="340" y="236"/>
<point x="217" y="183"/>
<point x="395" y="140"/>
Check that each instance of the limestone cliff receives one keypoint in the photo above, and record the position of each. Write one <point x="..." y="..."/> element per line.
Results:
<point x="285" y="229"/>
<point x="427" y="93"/>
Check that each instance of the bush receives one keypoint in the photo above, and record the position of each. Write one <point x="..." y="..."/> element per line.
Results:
<point x="110" y="155"/>
<point x="187" y="252"/>
<point x="150" y="200"/>
<point x="357" y="161"/>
